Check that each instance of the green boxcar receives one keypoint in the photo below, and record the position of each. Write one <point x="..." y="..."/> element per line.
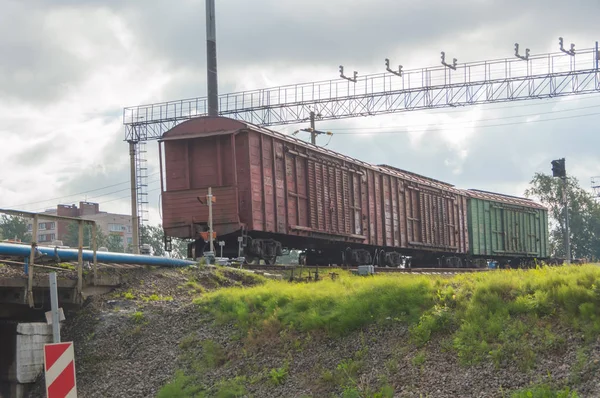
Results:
<point x="506" y="226"/>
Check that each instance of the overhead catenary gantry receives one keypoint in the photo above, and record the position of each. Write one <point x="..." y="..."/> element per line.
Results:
<point x="522" y="77"/>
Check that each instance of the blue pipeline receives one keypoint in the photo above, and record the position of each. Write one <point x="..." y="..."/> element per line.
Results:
<point x="10" y="249"/>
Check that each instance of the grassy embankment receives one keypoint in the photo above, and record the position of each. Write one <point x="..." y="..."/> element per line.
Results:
<point x="502" y="316"/>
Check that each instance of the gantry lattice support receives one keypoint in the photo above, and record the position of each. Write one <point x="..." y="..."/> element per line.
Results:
<point x="523" y="77"/>
<point x="540" y="76"/>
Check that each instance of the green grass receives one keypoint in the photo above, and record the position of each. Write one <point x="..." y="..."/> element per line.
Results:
<point x="156" y="297"/>
<point x="544" y="392"/>
<point x="337" y="306"/>
<point x="183" y="386"/>
<point x="138" y="317"/>
<point x="502" y="316"/>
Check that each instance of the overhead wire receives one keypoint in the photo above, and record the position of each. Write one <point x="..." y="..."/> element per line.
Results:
<point x="484" y="126"/>
<point x="126" y="197"/>
<point x="106" y="194"/>
<point x="79" y="193"/>
<point x="480" y="120"/>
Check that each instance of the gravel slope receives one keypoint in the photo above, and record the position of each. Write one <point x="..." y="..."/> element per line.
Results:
<point x="131" y="347"/>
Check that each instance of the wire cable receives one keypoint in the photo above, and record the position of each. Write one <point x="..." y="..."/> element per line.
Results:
<point x="472" y="127"/>
<point x="126" y="197"/>
<point x="463" y="122"/>
<point x="78" y="193"/>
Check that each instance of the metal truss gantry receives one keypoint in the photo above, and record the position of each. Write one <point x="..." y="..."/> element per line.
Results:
<point x="596" y="187"/>
<point x="523" y="77"/>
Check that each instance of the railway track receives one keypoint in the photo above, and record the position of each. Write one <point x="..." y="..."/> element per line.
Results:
<point x="424" y="271"/>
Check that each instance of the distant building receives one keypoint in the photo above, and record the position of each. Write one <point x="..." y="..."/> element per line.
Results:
<point x="108" y="223"/>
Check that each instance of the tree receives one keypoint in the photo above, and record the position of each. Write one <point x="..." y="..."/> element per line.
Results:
<point x="71" y="238"/>
<point x="114" y="243"/>
<point x="154" y="236"/>
<point x="584" y="215"/>
<point x="12" y="227"/>
<point x="179" y="248"/>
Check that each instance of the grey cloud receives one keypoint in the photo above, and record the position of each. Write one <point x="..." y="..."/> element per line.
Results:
<point x="113" y="170"/>
<point x="293" y="33"/>
<point x="286" y="33"/>
<point x="34" y="66"/>
<point x="38" y="152"/>
<point x="37" y="67"/>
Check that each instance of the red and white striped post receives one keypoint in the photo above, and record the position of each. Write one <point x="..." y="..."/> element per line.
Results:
<point x="59" y="366"/>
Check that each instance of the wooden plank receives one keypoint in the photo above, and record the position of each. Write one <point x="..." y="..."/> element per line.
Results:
<point x="235" y="174"/>
<point x="219" y="164"/>
<point x="263" y="187"/>
<point x="297" y="190"/>
<point x="190" y="169"/>
<point x="312" y="189"/>
<point x="274" y="182"/>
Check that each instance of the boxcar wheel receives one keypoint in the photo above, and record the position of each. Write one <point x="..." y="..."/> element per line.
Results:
<point x="270" y="260"/>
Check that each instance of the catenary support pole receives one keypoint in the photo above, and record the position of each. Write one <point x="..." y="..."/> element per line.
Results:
<point x="211" y="59"/>
<point x="134" y="212"/>
<point x="54" y="308"/>
<point x="313" y="134"/>
<point x="566" y="211"/>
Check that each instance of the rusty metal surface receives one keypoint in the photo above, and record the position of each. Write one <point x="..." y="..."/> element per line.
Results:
<point x="191" y="166"/>
<point x="496" y="197"/>
<point x="276" y="183"/>
<point x="268" y="181"/>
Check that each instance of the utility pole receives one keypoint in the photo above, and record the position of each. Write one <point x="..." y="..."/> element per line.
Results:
<point x="313" y="134"/>
<point x="559" y="170"/>
<point x="312" y="130"/>
<point x="566" y="205"/>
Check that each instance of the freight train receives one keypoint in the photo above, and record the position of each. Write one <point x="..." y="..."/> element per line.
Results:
<point x="274" y="193"/>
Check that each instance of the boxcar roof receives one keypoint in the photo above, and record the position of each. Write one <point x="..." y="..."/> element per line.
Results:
<point x="498" y="197"/>
<point x="216" y="125"/>
<point x="205" y="126"/>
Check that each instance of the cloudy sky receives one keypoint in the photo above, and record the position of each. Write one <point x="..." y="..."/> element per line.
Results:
<point x="70" y="67"/>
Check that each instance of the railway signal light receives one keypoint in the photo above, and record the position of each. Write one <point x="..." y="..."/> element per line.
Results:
<point x="558" y="168"/>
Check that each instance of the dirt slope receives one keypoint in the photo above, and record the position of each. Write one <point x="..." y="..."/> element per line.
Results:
<point x="130" y="343"/>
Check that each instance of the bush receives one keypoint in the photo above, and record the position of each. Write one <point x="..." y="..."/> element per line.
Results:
<point x="503" y="315"/>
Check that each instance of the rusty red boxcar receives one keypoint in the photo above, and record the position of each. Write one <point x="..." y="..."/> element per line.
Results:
<point x="276" y="192"/>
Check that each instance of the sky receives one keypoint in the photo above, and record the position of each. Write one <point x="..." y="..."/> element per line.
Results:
<point x="70" y="67"/>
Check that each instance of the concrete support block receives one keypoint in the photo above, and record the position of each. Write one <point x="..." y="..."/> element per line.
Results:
<point x="29" y="345"/>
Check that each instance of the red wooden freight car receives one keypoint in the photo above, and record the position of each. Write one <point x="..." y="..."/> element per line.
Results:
<point x="278" y="192"/>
